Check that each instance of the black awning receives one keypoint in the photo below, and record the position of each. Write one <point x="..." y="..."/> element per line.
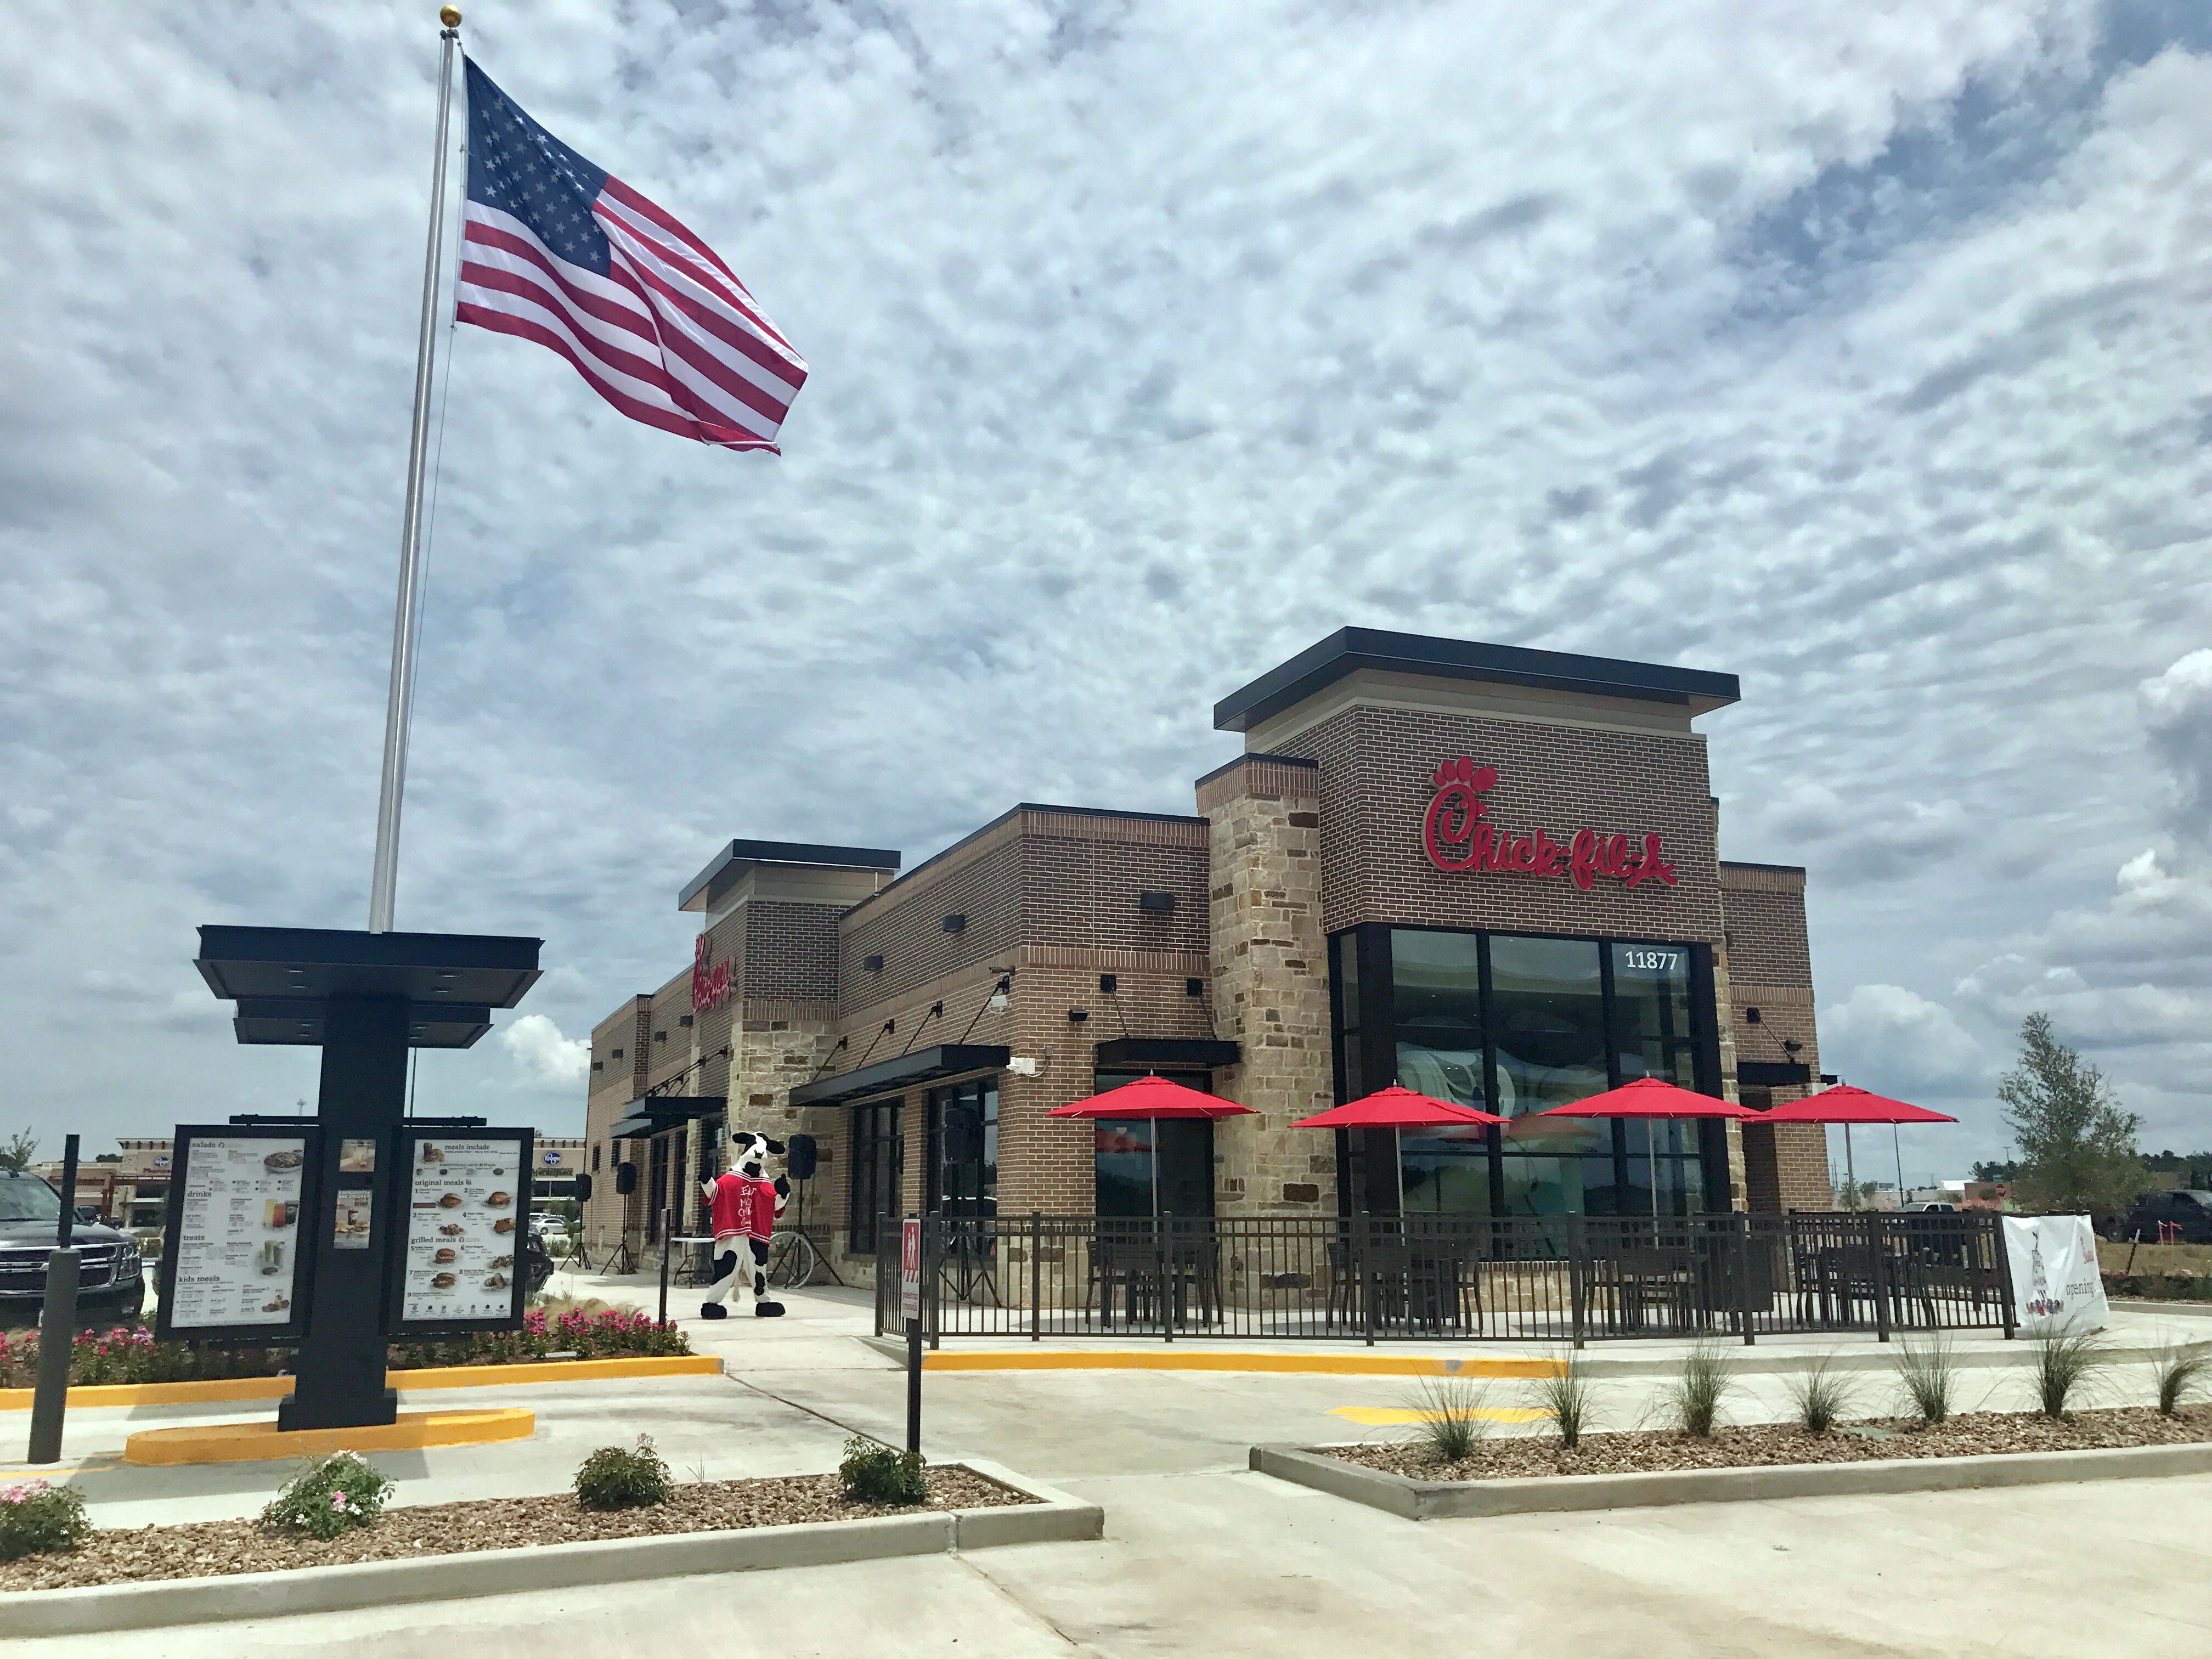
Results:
<point x="904" y="1071"/>
<point x="651" y="1113"/>
<point x="1136" y="1054"/>
<point x="1772" y="1073"/>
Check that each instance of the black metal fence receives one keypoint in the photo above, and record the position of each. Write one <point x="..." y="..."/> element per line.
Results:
<point x="1455" y="1278"/>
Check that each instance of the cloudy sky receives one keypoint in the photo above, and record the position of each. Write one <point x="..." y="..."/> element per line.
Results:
<point x="1864" y="350"/>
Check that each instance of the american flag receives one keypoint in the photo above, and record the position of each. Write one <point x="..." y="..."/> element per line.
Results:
<point x="561" y="252"/>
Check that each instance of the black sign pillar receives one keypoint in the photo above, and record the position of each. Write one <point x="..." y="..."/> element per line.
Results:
<point x="364" y="1096"/>
<point x="364" y="999"/>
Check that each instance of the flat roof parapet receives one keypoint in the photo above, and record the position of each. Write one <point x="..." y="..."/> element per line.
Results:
<point x="1350" y="649"/>
<point x="740" y="856"/>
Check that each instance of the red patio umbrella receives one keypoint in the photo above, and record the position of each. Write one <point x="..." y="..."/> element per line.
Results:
<point x="1398" y="1109"/>
<point x="1649" y="1098"/>
<point x="1394" y="1107"/>
<point x="1846" y="1105"/>
<point x="1151" y="1097"/>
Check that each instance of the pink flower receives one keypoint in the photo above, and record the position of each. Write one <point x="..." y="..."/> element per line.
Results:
<point x="337" y="1501"/>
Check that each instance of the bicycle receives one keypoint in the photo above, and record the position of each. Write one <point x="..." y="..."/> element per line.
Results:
<point x="791" y="1261"/>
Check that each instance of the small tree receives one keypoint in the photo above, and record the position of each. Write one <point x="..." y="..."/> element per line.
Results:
<point x="16" y="1153"/>
<point x="2077" y="1147"/>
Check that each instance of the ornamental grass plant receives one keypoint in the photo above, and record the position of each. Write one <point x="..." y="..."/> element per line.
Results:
<point x="1821" y="1393"/>
<point x="1452" y="1416"/>
<point x="2180" y="1371"/>
<point x="2067" y="1366"/>
<point x="329" y="1496"/>
<point x="37" y="1516"/>
<point x="1700" y="1389"/>
<point x="1928" y="1377"/>
<point x="1568" y="1394"/>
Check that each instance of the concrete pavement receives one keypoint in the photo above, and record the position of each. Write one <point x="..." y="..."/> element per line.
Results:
<point x="1202" y="1557"/>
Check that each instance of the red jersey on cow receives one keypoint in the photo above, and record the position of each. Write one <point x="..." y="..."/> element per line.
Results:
<point x="743" y="1205"/>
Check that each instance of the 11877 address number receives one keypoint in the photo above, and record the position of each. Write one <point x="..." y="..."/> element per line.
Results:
<point x="1662" y="962"/>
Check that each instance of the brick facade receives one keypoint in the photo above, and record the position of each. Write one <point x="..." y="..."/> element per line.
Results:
<point x="1786" y="1164"/>
<point x="1318" y="827"/>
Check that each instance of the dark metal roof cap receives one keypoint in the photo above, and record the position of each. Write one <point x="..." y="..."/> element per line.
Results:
<point x="740" y="856"/>
<point x="1350" y="649"/>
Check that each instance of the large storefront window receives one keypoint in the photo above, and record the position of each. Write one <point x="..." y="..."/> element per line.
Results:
<point x="876" y="1172"/>
<point x="1517" y="1024"/>
<point x="964" y="1143"/>
<point x="1153" y="1166"/>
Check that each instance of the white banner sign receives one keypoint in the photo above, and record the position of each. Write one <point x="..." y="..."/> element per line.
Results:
<point x="2055" y="1287"/>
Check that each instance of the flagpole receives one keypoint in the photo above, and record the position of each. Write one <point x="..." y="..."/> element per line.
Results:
<point x="400" y="705"/>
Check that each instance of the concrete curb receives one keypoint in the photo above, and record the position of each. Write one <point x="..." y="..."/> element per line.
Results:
<point x="1056" y="1517"/>
<point x="1439" y="1500"/>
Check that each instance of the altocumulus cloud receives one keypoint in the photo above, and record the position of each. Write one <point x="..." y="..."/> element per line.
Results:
<point x="1856" y="350"/>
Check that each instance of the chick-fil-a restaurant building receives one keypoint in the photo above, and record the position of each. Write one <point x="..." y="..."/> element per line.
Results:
<point x="1490" y="873"/>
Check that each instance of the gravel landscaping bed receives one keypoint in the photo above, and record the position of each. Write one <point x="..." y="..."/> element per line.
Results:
<point x="212" y="1548"/>
<point x="1970" y="1435"/>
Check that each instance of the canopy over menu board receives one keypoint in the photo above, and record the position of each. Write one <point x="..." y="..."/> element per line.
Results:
<point x="233" y="1265"/>
<point x="466" y="1195"/>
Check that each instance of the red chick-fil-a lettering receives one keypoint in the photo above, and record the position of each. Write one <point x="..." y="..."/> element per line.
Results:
<point x="1459" y="836"/>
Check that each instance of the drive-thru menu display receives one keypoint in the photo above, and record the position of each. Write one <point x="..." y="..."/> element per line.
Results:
<point x="467" y="1198"/>
<point x="233" y="1258"/>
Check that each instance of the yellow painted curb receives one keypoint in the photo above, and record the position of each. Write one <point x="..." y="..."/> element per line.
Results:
<point x="555" y="1371"/>
<point x="86" y="1394"/>
<point x="1389" y="1417"/>
<point x="246" y="1443"/>
<point x="1193" y="1359"/>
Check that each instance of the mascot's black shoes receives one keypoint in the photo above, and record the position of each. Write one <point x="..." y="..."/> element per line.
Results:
<point x="714" y="1310"/>
<point x="767" y="1310"/>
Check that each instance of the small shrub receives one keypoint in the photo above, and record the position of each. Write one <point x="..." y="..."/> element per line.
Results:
<point x="328" y="1496"/>
<point x="2065" y="1366"/>
<point x="874" y="1473"/>
<point x="1569" y="1394"/>
<point x="36" y="1516"/>
<point x="1927" y="1373"/>
<point x="2181" y="1370"/>
<point x="1453" y="1417"/>
<point x="624" y="1478"/>
<point x="1821" y="1393"/>
<point x="1699" y="1389"/>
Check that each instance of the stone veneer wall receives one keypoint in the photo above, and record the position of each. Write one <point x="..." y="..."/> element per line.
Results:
<point x="1270" y="967"/>
<point x="1785" y="1165"/>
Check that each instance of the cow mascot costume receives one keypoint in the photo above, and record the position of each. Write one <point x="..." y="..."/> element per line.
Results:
<point x="746" y="1205"/>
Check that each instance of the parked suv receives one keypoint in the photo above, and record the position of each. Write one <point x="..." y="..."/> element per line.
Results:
<point x="111" y="1272"/>
<point x="2190" y="1212"/>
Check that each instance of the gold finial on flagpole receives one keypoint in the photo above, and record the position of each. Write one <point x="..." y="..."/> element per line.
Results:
<point x="450" y="16"/>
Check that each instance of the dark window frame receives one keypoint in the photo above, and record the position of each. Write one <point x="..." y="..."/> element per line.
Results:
<point x="1364" y="1053"/>
<point x="876" y="1174"/>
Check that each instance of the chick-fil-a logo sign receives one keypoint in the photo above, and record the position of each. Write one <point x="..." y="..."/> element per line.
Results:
<point x="1459" y="836"/>
<point x="708" y="985"/>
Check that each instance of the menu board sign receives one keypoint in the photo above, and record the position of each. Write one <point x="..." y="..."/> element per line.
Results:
<point x="232" y="1263"/>
<point x="467" y="1199"/>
